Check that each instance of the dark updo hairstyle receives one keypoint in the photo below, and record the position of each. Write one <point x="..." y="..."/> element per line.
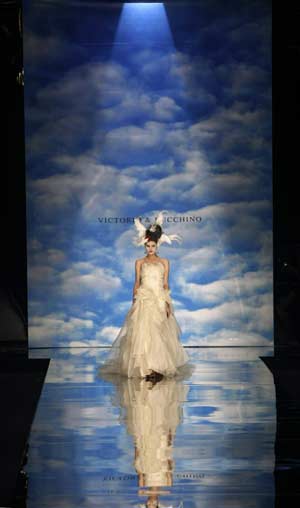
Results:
<point x="153" y="236"/>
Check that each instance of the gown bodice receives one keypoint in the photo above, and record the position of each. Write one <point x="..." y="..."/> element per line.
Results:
<point x="152" y="276"/>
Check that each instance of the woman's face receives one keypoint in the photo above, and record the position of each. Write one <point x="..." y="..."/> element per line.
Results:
<point x="151" y="247"/>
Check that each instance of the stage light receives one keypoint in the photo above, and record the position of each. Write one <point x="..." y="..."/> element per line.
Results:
<point x="144" y="23"/>
<point x="143" y="5"/>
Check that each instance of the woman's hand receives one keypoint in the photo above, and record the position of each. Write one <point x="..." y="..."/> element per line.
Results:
<point x="168" y="309"/>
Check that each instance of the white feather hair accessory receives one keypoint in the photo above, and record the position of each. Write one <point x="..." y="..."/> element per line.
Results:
<point x="141" y="237"/>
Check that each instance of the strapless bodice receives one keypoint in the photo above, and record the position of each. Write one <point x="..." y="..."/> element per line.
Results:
<point x="152" y="275"/>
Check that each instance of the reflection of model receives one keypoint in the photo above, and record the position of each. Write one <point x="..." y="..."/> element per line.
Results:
<point x="151" y="413"/>
<point x="148" y="343"/>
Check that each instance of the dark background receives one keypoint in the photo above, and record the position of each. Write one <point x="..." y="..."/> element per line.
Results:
<point x="13" y="278"/>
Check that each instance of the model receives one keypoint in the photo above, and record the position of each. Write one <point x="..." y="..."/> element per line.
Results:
<point x="148" y="344"/>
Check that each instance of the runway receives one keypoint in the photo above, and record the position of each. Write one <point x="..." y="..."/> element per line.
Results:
<point x="204" y="441"/>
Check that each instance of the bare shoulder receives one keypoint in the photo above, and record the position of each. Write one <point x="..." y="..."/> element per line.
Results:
<point x="139" y="261"/>
<point x="165" y="261"/>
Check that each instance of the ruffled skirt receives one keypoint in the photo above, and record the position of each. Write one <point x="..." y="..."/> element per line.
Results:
<point x="148" y="339"/>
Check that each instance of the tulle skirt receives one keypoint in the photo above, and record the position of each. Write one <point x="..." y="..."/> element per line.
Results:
<point x="148" y="339"/>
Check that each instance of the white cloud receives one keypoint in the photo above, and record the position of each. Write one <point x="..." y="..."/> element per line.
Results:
<point x="84" y="278"/>
<point x="210" y="258"/>
<point x="227" y="289"/>
<point x="166" y="167"/>
<point x="165" y="109"/>
<point x="136" y="103"/>
<point x="89" y="82"/>
<point x="41" y="257"/>
<point x="85" y="186"/>
<point x="134" y="138"/>
<point x="232" y="117"/>
<point x="41" y="275"/>
<point x="58" y="325"/>
<point x="64" y="112"/>
<point x="107" y="334"/>
<point x="44" y="49"/>
<point x="246" y="314"/>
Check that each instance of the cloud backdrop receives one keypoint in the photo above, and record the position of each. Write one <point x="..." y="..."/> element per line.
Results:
<point x="121" y="125"/>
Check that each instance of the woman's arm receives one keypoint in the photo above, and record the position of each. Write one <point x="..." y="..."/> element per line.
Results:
<point x="166" y="284"/>
<point x="166" y="274"/>
<point x="137" y="277"/>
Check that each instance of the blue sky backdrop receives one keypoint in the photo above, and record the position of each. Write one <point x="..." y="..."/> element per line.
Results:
<point x="131" y="109"/>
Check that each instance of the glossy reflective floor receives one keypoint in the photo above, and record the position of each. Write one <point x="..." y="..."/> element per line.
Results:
<point x="206" y="440"/>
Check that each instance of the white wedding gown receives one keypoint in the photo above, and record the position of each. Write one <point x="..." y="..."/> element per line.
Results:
<point x="148" y="339"/>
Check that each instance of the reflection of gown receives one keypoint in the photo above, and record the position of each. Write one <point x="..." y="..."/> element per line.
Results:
<point x="148" y="339"/>
<point x="151" y="416"/>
